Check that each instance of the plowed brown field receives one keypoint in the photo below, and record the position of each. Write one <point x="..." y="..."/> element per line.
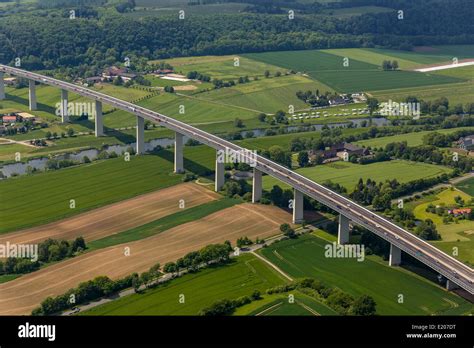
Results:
<point x="116" y="217"/>
<point x="21" y="295"/>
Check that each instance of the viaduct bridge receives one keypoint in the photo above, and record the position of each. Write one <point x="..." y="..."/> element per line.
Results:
<point x="456" y="273"/>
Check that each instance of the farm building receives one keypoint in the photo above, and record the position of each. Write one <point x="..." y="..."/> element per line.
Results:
<point x="466" y="143"/>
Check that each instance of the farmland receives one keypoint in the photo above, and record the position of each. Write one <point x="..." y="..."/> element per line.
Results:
<point x="117" y="217"/>
<point x="348" y="174"/>
<point x="355" y="77"/>
<point x="304" y="257"/>
<point x="239" y="278"/>
<point x="45" y="197"/>
<point x="278" y="305"/>
<point x="18" y="296"/>
<point x="267" y="95"/>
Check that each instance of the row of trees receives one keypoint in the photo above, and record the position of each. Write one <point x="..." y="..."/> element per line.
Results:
<point x="213" y="253"/>
<point x="49" y="250"/>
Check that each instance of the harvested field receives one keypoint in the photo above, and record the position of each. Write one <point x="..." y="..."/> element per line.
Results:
<point x="21" y="295"/>
<point x="116" y="217"/>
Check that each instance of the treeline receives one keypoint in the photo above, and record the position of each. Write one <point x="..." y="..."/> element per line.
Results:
<point x="445" y="140"/>
<point x="213" y="253"/>
<point x="380" y="194"/>
<point x="50" y="250"/>
<point x="428" y="154"/>
<point x="49" y="39"/>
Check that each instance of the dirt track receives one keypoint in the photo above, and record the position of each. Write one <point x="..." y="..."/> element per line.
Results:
<point x="116" y="217"/>
<point x="21" y="295"/>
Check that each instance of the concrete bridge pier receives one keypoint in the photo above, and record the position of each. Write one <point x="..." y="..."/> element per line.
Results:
<point x="298" y="212"/>
<point x="99" y="119"/>
<point x="140" y="135"/>
<point x="178" y="153"/>
<point x="220" y="173"/>
<point x="2" y="86"/>
<point x="64" y="102"/>
<point x="395" y="256"/>
<point x="32" y="95"/>
<point x="257" y="185"/>
<point x="450" y="285"/>
<point x="343" y="230"/>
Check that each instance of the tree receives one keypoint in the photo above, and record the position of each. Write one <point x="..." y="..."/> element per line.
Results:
<point x="262" y="117"/>
<point x="303" y="158"/>
<point x="372" y="105"/>
<point x="395" y="65"/>
<point x="267" y="74"/>
<point x="170" y="267"/>
<point x="364" y="305"/>
<point x="70" y="132"/>
<point x="427" y="230"/>
<point x="238" y="123"/>
<point x="118" y="81"/>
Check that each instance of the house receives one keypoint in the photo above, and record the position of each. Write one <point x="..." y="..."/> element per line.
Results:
<point x="93" y="79"/>
<point x="24" y="116"/>
<point x="10" y="81"/>
<point x="466" y="143"/>
<point x="164" y="71"/>
<point x="337" y="100"/>
<point x="113" y="72"/>
<point x="9" y="119"/>
<point x="351" y="149"/>
<point x="338" y="151"/>
<point x="458" y="212"/>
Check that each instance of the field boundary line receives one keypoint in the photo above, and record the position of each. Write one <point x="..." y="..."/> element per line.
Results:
<point x="273" y="266"/>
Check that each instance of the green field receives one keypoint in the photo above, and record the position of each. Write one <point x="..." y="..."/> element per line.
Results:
<point x="371" y="56"/>
<point x="467" y="186"/>
<point x="239" y="278"/>
<point x="279" y="305"/>
<point x="456" y="93"/>
<point x="348" y="174"/>
<point x="222" y="67"/>
<point x="267" y="95"/>
<point x="412" y="139"/>
<point x="304" y="257"/>
<point x="357" y="76"/>
<point x="44" y="197"/>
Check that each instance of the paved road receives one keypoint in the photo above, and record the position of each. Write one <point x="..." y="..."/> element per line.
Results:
<point x="444" y="264"/>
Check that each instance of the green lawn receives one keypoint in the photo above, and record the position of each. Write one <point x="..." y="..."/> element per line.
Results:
<point x="44" y="197"/>
<point x="240" y="278"/>
<point x="304" y="257"/>
<point x="348" y="174"/>
<point x="412" y="139"/>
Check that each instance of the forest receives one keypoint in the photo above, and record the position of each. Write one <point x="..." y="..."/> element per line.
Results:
<point x="97" y="36"/>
